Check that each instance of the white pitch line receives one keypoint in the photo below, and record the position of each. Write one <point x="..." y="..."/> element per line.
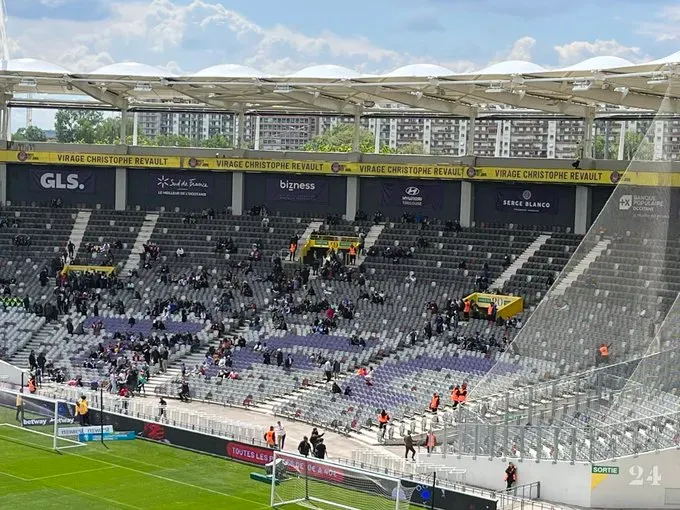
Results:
<point x="166" y="479"/>
<point x="14" y="476"/>
<point x="100" y="498"/>
<point x="84" y="471"/>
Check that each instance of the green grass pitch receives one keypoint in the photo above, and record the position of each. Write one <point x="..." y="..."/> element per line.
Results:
<point x="139" y="475"/>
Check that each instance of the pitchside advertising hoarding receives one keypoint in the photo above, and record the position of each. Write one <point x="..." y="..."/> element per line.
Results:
<point x="297" y="189"/>
<point x="527" y="200"/>
<point x="416" y="196"/>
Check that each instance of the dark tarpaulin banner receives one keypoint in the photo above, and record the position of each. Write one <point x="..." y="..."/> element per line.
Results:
<point x="182" y="184"/>
<point x="297" y="189"/>
<point x="421" y="197"/>
<point x="65" y="181"/>
<point x="527" y="200"/>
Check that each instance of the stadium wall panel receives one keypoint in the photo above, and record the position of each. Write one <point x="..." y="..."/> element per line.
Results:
<point x="525" y="204"/>
<point x="76" y="186"/>
<point x="296" y="194"/>
<point x="598" y="196"/>
<point x="188" y="190"/>
<point x="561" y="482"/>
<point x="394" y="197"/>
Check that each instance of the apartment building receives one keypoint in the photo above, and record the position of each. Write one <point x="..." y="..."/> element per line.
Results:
<point x="538" y="137"/>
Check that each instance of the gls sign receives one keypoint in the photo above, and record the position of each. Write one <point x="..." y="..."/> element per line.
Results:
<point x="60" y="181"/>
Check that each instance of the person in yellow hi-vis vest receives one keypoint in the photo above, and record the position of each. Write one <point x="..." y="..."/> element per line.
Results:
<point x="83" y="411"/>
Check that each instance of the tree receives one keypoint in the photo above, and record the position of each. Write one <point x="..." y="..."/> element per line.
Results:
<point x="599" y="148"/>
<point x="411" y="148"/>
<point x="172" y="141"/>
<point x="217" y="142"/>
<point x="108" y="130"/>
<point x="636" y="146"/>
<point x="29" y="134"/>
<point x="340" y="139"/>
<point x="77" y="126"/>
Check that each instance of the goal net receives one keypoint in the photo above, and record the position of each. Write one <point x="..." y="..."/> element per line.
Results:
<point x="324" y="485"/>
<point x="38" y="421"/>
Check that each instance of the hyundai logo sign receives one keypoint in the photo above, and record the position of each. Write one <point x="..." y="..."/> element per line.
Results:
<point x="412" y="191"/>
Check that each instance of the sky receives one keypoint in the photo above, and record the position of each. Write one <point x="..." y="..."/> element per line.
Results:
<point x="374" y="36"/>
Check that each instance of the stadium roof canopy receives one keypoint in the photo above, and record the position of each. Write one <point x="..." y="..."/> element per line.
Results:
<point x="582" y="90"/>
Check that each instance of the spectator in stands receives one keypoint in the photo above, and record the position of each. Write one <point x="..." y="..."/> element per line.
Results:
<point x="320" y="449"/>
<point x="315" y="437"/>
<point x="184" y="391"/>
<point x="32" y="364"/>
<point x="455" y="396"/>
<point x="328" y="370"/>
<point x="336" y="389"/>
<point x="304" y="447"/>
<point x="289" y="362"/>
<point x="510" y="476"/>
<point x="180" y="252"/>
<point x="408" y="444"/>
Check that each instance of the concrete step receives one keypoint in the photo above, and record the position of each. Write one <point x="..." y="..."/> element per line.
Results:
<point x="520" y="261"/>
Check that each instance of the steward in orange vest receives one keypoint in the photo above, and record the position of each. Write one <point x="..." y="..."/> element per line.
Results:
<point x="383" y="419"/>
<point x="434" y="403"/>
<point x="270" y="437"/>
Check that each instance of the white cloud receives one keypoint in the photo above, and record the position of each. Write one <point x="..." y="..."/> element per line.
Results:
<point x="577" y="51"/>
<point x="666" y="27"/>
<point x="162" y="28"/>
<point x="522" y="49"/>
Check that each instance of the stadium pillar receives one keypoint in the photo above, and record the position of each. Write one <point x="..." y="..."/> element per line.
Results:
<point x="237" y="193"/>
<point x="352" y="197"/>
<point x="467" y="197"/>
<point x="583" y="206"/>
<point x="356" y="140"/>
<point x="123" y="126"/>
<point x="5" y="113"/>
<point x="588" y="126"/>
<point x="256" y="142"/>
<point x="121" y="189"/>
<point x="240" y="128"/>
<point x="3" y="184"/>
<point x="472" y="121"/>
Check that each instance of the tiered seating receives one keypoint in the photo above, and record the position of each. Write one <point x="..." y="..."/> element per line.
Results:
<point x="109" y="227"/>
<point x="447" y="249"/>
<point x="18" y="327"/>
<point x="534" y="278"/>
<point x="49" y="230"/>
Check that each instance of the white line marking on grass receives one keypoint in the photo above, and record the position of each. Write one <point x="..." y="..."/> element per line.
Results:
<point x="164" y="478"/>
<point x="73" y="473"/>
<point x="14" y="476"/>
<point x="100" y="498"/>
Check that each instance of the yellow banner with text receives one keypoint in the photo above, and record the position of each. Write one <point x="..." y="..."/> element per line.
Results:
<point x="329" y="167"/>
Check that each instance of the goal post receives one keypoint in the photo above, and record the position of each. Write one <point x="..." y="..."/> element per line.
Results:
<point x="325" y="485"/>
<point x="37" y="421"/>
